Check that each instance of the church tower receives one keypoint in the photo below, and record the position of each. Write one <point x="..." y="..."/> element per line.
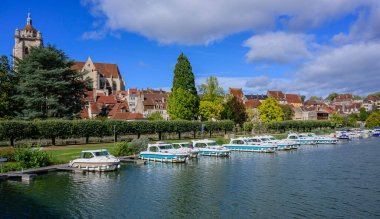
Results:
<point x="25" y="39"/>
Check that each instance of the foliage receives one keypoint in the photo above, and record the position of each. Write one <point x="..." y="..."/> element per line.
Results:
<point x="144" y="141"/>
<point x="46" y="85"/>
<point x="31" y="157"/>
<point x="373" y="120"/>
<point x="270" y="110"/>
<point x="182" y="104"/>
<point x="210" y="110"/>
<point x="314" y="98"/>
<point x="288" y="112"/>
<point x="357" y="97"/>
<point x="299" y="125"/>
<point x="6" y="167"/>
<point x="337" y="120"/>
<point x="377" y="94"/>
<point x="211" y="90"/>
<point x="248" y="126"/>
<point x="234" y="110"/>
<point x="6" y="87"/>
<point x="128" y="148"/>
<point x="155" y="116"/>
<point x="331" y="96"/>
<point x="18" y="130"/>
<point x="303" y="98"/>
<point x="363" y="114"/>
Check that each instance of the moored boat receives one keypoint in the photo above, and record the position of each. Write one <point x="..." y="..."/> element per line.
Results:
<point x="245" y="145"/>
<point x="208" y="147"/>
<point x="323" y="139"/>
<point x="376" y="132"/>
<point x="302" y="139"/>
<point x="163" y="152"/>
<point x="96" y="160"/>
<point x="186" y="147"/>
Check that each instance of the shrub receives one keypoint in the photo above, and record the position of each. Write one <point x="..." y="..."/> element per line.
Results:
<point x="6" y="167"/>
<point x="128" y="148"/>
<point x="31" y="157"/>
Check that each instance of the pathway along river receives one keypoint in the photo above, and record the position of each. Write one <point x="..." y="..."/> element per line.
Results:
<point x="331" y="181"/>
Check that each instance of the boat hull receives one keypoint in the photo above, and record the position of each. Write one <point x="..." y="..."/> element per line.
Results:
<point x="215" y="153"/>
<point x="164" y="158"/>
<point x="250" y="148"/>
<point x="100" y="167"/>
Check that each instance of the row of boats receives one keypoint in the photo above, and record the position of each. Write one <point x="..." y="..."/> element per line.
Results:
<point x="180" y="152"/>
<point x="102" y="160"/>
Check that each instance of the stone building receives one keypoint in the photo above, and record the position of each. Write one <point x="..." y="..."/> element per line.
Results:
<point x="25" y="39"/>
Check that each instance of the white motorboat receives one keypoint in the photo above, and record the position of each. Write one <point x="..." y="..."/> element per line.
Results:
<point x="164" y="152"/>
<point x="208" y="147"/>
<point x="96" y="160"/>
<point x="186" y="147"/>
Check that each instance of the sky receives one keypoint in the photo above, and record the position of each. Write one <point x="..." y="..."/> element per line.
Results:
<point x="296" y="46"/>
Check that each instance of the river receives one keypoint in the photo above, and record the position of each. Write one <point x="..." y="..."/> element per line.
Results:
<point x="330" y="181"/>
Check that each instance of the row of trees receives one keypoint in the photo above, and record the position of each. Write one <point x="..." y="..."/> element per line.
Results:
<point x="51" y="129"/>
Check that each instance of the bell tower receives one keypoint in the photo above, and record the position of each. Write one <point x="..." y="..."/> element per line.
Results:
<point x="25" y="39"/>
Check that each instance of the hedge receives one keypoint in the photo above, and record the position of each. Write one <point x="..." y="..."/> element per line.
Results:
<point x="51" y="129"/>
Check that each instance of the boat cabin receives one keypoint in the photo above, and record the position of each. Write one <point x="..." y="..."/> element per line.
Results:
<point x="204" y="143"/>
<point x="94" y="153"/>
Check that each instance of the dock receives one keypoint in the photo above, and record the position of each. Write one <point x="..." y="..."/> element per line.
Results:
<point x="29" y="174"/>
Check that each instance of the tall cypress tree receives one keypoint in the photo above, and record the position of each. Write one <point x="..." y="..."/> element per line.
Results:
<point x="183" y="86"/>
<point x="46" y="86"/>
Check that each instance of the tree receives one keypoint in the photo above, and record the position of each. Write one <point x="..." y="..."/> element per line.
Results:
<point x="377" y="94"/>
<point x="6" y="87"/>
<point x="270" y="111"/>
<point x="46" y="85"/>
<point x="156" y="116"/>
<point x="181" y="105"/>
<point x="363" y="114"/>
<point x="211" y="90"/>
<point x="234" y="110"/>
<point x="288" y="112"/>
<point x="303" y="98"/>
<point x="337" y="120"/>
<point x="331" y="96"/>
<point x="210" y="110"/>
<point x="183" y="87"/>
<point x="373" y="120"/>
<point x="314" y="98"/>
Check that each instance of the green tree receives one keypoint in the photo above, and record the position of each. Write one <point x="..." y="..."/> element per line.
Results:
<point x="314" y="98"/>
<point x="211" y="90"/>
<point x="234" y="110"/>
<point x="46" y="85"/>
<point x="331" y="96"/>
<point x="363" y="114"/>
<point x="376" y="94"/>
<point x="270" y="111"/>
<point x="156" y="116"/>
<point x="373" y="120"/>
<point x="6" y="87"/>
<point x="183" y="102"/>
<point x="337" y="120"/>
<point x="210" y="110"/>
<point x="303" y="98"/>
<point x="288" y="112"/>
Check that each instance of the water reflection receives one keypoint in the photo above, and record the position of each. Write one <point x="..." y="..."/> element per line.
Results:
<point x="313" y="181"/>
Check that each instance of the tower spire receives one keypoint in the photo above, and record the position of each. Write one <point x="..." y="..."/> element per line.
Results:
<point x="29" y="19"/>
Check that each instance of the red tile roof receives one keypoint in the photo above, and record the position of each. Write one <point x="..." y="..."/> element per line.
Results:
<point x="293" y="98"/>
<point x="106" y="69"/>
<point x="29" y="28"/>
<point x="84" y="114"/>
<point x="252" y="103"/>
<point x="107" y="99"/>
<point x="278" y="95"/>
<point x="95" y="109"/>
<point x="118" y="108"/>
<point x="371" y="98"/>
<point x="343" y="97"/>
<point x="89" y="96"/>
<point x="128" y="116"/>
<point x="236" y="92"/>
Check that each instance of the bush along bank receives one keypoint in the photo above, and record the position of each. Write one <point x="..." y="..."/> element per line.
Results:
<point x="13" y="130"/>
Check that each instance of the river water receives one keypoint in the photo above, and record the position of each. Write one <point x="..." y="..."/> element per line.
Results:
<point x="330" y="181"/>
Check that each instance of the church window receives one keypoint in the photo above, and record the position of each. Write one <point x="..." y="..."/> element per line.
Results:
<point x="26" y="51"/>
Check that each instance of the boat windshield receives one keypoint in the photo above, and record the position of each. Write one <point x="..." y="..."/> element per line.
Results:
<point x="101" y="153"/>
<point x="264" y="139"/>
<point x="176" y="146"/>
<point x="212" y="144"/>
<point x="272" y="139"/>
<point x="186" y="145"/>
<point x="165" y="147"/>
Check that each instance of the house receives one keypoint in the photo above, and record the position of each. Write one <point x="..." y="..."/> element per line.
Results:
<point x="260" y="97"/>
<point x="371" y="102"/>
<point x="294" y="100"/>
<point x="252" y="104"/>
<point x="150" y="101"/>
<point x="237" y="93"/>
<point x="132" y="97"/>
<point x="278" y="95"/>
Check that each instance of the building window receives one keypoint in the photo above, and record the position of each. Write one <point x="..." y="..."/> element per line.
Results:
<point x="26" y="51"/>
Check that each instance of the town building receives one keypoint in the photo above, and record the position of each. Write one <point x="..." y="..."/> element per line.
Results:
<point x="150" y="101"/>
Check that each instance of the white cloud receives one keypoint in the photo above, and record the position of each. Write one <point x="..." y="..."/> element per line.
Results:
<point x="278" y="47"/>
<point x="202" y="22"/>
<point x="352" y="68"/>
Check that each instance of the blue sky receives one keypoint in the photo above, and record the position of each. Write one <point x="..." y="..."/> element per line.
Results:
<point x="310" y="48"/>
